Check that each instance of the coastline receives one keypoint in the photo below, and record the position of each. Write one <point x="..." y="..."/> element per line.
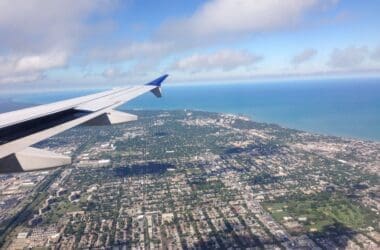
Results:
<point x="341" y="109"/>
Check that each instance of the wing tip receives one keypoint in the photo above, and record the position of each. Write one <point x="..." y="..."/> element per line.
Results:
<point x="157" y="82"/>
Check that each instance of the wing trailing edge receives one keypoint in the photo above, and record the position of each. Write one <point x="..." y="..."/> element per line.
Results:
<point x="110" y="118"/>
<point x="32" y="159"/>
<point x="21" y="129"/>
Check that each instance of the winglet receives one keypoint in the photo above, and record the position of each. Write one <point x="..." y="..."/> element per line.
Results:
<point x="157" y="82"/>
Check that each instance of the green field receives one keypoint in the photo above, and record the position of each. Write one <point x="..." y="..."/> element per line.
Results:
<point x="322" y="210"/>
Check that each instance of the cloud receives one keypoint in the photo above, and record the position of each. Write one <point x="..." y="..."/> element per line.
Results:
<point x="34" y="25"/>
<point x="30" y="67"/>
<point x="131" y="51"/>
<point x="41" y="62"/>
<point x="223" y="19"/>
<point x="213" y="22"/>
<point x="113" y="73"/>
<point x="376" y="54"/>
<point x="38" y="35"/>
<point x="350" y="57"/>
<point x="304" y="56"/>
<point x="225" y="60"/>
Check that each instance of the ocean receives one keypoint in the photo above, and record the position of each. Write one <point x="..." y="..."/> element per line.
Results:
<point x="344" y="107"/>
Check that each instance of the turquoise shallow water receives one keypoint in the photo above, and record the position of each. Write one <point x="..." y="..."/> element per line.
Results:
<point x="349" y="108"/>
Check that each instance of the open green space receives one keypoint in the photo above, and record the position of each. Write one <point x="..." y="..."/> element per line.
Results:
<point x="322" y="210"/>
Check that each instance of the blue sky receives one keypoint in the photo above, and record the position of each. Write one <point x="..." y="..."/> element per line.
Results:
<point x="91" y="43"/>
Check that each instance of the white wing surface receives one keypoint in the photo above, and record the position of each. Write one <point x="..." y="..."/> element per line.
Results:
<point x="22" y="128"/>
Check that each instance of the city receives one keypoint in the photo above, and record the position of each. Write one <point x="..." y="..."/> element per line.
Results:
<point x="196" y="180"/>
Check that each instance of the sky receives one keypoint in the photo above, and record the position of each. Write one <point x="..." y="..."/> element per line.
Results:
<point x="107" y="43"/>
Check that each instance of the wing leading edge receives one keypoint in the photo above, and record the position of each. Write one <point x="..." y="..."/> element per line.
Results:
<point x="22" y="128"/>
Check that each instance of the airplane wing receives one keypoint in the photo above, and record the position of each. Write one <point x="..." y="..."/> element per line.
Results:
<point x="20" y="129"/>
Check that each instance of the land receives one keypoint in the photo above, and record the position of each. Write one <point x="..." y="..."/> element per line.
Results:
<point x="194" y="180"/>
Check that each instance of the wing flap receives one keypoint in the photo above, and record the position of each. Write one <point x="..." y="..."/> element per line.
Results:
<point x="110" y="118"/>
<point x="31" y="159"/>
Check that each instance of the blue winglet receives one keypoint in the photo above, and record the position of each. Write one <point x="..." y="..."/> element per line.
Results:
<point x="157" y="82"/>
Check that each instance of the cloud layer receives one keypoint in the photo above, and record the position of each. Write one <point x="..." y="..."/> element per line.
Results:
<point x="225" y="39"/>
<point x="30" y="67"/>
<point x="225" y="19"/>
<point x="38" y="35"/>
<point x="350" y="57"/>
<point x="304" y="56"/>
<point x="225" y="60"/>
<point x="215" y="22"/>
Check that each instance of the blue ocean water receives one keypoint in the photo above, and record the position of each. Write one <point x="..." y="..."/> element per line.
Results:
<point x="349" y="108"/>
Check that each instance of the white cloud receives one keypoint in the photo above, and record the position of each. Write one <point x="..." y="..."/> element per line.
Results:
<point x="30" y="67"/>
<point x="34" y="25"/>
<point x="16" y="78"/>
<point x="209" y="67"/>
<point x="225" y="60"/>
<point x="37" y="35"/>
<point x="376" y="54"/>
<point x="304" y="56"/>
<point x="350" y="57"/>
<point x="41" y="62"/>
<point x="141" y="50"/>
<point x="113" y="73"/>
<point x="220" y="19"/>
<point x="213" y="23"/>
